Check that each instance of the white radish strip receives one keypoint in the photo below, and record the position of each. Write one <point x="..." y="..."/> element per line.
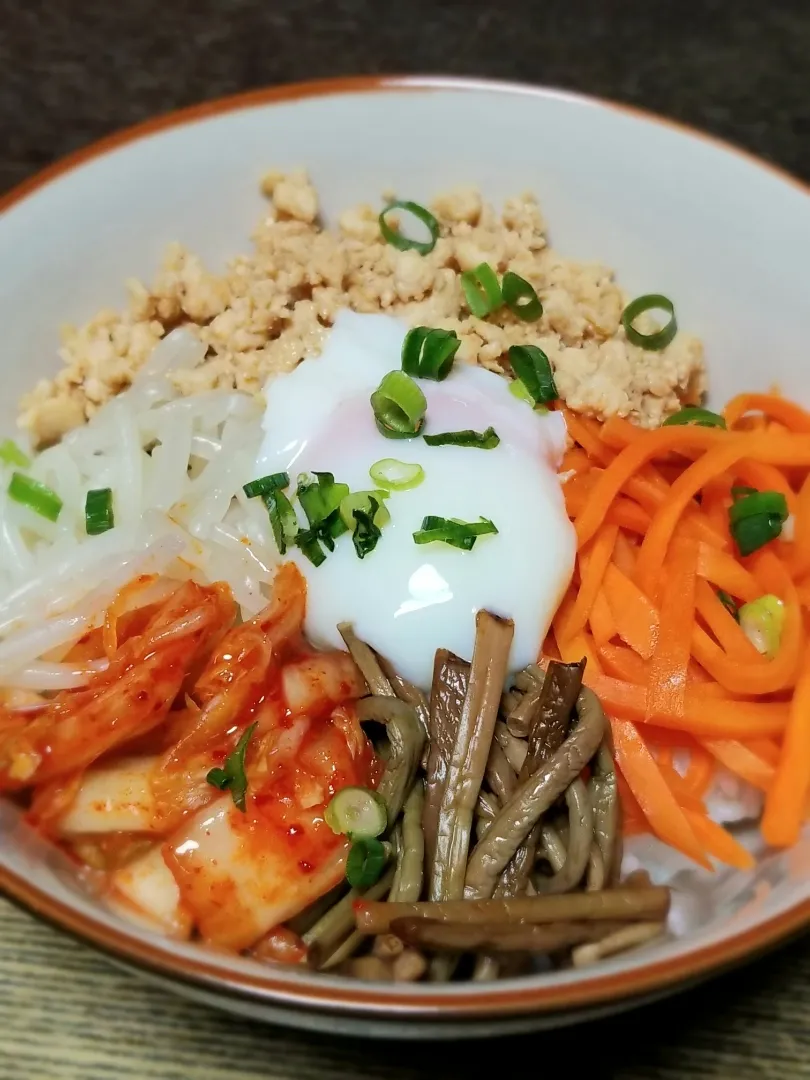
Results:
<point x="44" y="677"/>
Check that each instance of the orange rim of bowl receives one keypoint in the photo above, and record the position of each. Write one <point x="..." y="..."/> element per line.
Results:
<point x="447" y="1003"/>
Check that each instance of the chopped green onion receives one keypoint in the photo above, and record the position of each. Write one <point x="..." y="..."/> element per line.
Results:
<point x="481" y="290"/>
<point x="366" y="532"/>
<point x="396" y="475"/>
<point x="36" y="496"/>
<point x="520" y="297"/>
<point x="232" y="774"/>
<point x="320" y="498"/>
<point x="98" y="511"/>
<point x="762" y="622"/>
<point x="695" y="415"/>
<point x="266" y="484"/>
<point x="756" y="517"/>
<point x="283" y="521"/>
<point x="365" y="862"/>
<point x="660" y="338"/>
<point x="361" y="500"/>
<point x="729" y="603"/>
<point x="357" y="812"/>
<point x="11" y="454"/>
<point x="399" y="406"/>
<point x="308" y="540"/>
<point x="402" y="243"/>
<point x="753" y="503"/>
<point x="483" y="440"/>
<point x="428" y="353"/>
<point x="460" y="534"/>
<point x="532" y="367"/>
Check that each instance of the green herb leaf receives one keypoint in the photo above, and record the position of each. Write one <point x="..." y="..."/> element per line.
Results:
<point x="481" y="440"/>
<point x="231" y="776"/>
<point x="459" y="534"/>
<point x="366" y="534"/>
<point x="365" y="862"/>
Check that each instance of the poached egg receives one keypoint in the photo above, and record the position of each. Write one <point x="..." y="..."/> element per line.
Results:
<point x="407" y="600"/>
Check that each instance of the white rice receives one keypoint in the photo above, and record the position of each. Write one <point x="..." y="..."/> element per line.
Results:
<point x="176" y="467"/>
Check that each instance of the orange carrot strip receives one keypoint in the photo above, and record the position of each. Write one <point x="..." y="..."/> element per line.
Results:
<point x="800" y="565"/>
<point x="634" y="616"/>
<point x="670" y="657"/>
<point x="593" y="563"/>
<point x="786" y="799"/>
<point x="587" y="434"/>
<point x="624" y="555"/>
<point x="765" y="478"/>
<point x="676" y="784"/>
<point x="575" y="460"/>
<point x="667" y="819"/>
<point x="723" y="570"/>
<point x="718" y="842"/>
<point x="773" y="406"/>
<point x="773" y="449"/>
<point x="704" y="714"/>
<point x="618" y="433"/>
<point x="725" y="627"/>
<point x="741" y="759"/>
<point x="654" y="546"/>
<point x="601" y="622"/>
<point x="577" y="647"/>
<point x="699" y="772"/>
<point x="622" y="663"/>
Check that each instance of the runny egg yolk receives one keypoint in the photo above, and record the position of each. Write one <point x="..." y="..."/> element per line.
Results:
<point x="404" y="599"/>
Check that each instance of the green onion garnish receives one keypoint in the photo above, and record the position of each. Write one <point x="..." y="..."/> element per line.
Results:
<point x="483" y="440"/>
<point x="357" y="812"/>
<point x="98" y="511"/>
<point x="532" y="367"/>
<point x="265" y="484"/>
<point x="308" y="540"/>
<point x="693" y="414"/>
<point x="320" y="498"/>
<point x="660" y="338"/>
<point x="361" y="500"/>
<point x="394" y="237"/>
<point x="520" y="297"/>
<point x="366" y="532"/>
<point x="11" y="454"/>
<point x="399" y="406"/>
<point x="283" y="521"/>
<point x="232" y="774"/>
<point x="36" y="496"/>
<point x="729" y="603"/>
<point x="481" y="290"/>
<point x="428" y="353"/>
<point x="396" y="475"/>
<point x="365" y="863"/>
<point x="756" y="518"/>
<point x="460" y="534"/>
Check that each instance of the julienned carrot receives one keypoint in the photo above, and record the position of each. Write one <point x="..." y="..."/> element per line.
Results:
<point x="764" y="477"/>
<point x="620" y="662"/>
<point x="723" y="570"/>
<point x="724" y="626"/>
<point x="587" y="433"/>
<point x="787" y="796"/>
<point x="771" y="405"/>
<point x="699" y="772"/>
<point x="667" y="819"/>
<point x="654" y="545"/>
<point x="592" y="563"/>
<point x="670" y="656"/>
<point x="718" y="842"/>
<point x="634" y="616"/>
<point x="704" y="714"/>
<point x="600" y="621"/>
<point x="741" y="759"/>
<point x="800" y="562"/>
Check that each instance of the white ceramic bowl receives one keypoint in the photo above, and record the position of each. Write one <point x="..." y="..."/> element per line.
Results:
<point x="674" y="212"/>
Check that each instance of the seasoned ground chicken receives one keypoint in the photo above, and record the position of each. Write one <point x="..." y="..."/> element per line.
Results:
<point x="272" y="308"/>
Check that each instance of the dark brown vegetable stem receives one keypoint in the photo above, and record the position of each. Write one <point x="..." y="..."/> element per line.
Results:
<point x="533" y="798"/>
<point x="339" y="921"/>
<point x="580" y="839"/>
<point x="553" y="714"/>
<point x="451" y="676"/>
<point x="405" y="739"/>
<point x="604" y="795"/>
<point x="409" y="876"/>
<point x="617" y="905"/>
<point x="493" y="640"/>
<point x="487" y="937"/>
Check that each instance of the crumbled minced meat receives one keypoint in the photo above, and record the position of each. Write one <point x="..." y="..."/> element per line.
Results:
<point x="272" y="308"/>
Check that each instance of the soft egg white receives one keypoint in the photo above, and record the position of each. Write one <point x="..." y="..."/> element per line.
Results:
<point x="405" y="599"/>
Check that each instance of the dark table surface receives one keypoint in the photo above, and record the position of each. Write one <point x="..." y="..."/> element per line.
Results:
<point x="73" y="71"/>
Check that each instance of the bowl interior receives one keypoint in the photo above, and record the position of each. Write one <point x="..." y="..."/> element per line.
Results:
<point x="724" y="237"/>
